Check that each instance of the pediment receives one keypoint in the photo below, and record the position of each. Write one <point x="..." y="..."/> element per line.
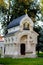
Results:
<point x="35" y="33"/>
<point x="27" y="19"/>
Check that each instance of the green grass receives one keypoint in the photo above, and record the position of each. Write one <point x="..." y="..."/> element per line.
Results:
<point x="21" y="61"/>
<point x="40" y="54"/>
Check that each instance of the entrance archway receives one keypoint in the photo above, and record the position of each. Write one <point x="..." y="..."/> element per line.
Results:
<point x="23" y="41"/>
<point x="22" y="49"/>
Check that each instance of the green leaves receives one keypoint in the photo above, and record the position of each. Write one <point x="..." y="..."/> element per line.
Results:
<point x="41" y="6"/>
<point x="17" y="8"/>
<point x="2" y="3"/>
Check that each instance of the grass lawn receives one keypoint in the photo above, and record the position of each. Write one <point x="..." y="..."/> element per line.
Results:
<point x="21" y="61"/>
<point x="40" y="54"/>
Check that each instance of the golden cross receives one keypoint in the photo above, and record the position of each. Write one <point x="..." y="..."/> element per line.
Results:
<point x="25" y="11"/>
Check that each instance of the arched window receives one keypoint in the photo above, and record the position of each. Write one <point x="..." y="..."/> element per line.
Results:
<point x="26" y="26"/>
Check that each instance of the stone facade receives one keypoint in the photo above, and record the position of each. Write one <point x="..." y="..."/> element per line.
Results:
<point x="21" y="40"/>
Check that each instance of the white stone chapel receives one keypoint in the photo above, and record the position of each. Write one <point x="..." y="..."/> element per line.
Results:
<point x="21" y="39"/>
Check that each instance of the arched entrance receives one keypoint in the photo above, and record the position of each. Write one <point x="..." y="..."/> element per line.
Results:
<point x="23" y="41"/>
<point x="22" y="49"/>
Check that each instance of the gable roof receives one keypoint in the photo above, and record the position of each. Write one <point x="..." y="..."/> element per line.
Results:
<point x="15" y="22"/>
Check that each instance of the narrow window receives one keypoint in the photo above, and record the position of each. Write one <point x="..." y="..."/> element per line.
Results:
<point x="8" y="39"/>
<point x="12" y="39"/>
<point x="26" y="26"/>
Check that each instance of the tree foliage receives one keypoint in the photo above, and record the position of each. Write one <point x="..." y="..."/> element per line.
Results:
<point x="41" y="6"/>
<point x="17" y="8"/>
<point x="3" y="4"/>
<point x="20" y="6"/>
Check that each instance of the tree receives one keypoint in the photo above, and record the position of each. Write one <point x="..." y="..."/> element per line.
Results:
<point x="17" y="8"/>
<point x="39" y="30"/>
<point x="41" y="6"/>
<point x="1" y="2"/>
<point x="41" y="40"/>
<point x="21" y="5"/>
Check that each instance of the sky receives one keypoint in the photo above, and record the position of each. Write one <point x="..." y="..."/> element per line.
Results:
<point x="0" y="25"/>
<point x="0" y="28"/>
<point x="6" y="1"/>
